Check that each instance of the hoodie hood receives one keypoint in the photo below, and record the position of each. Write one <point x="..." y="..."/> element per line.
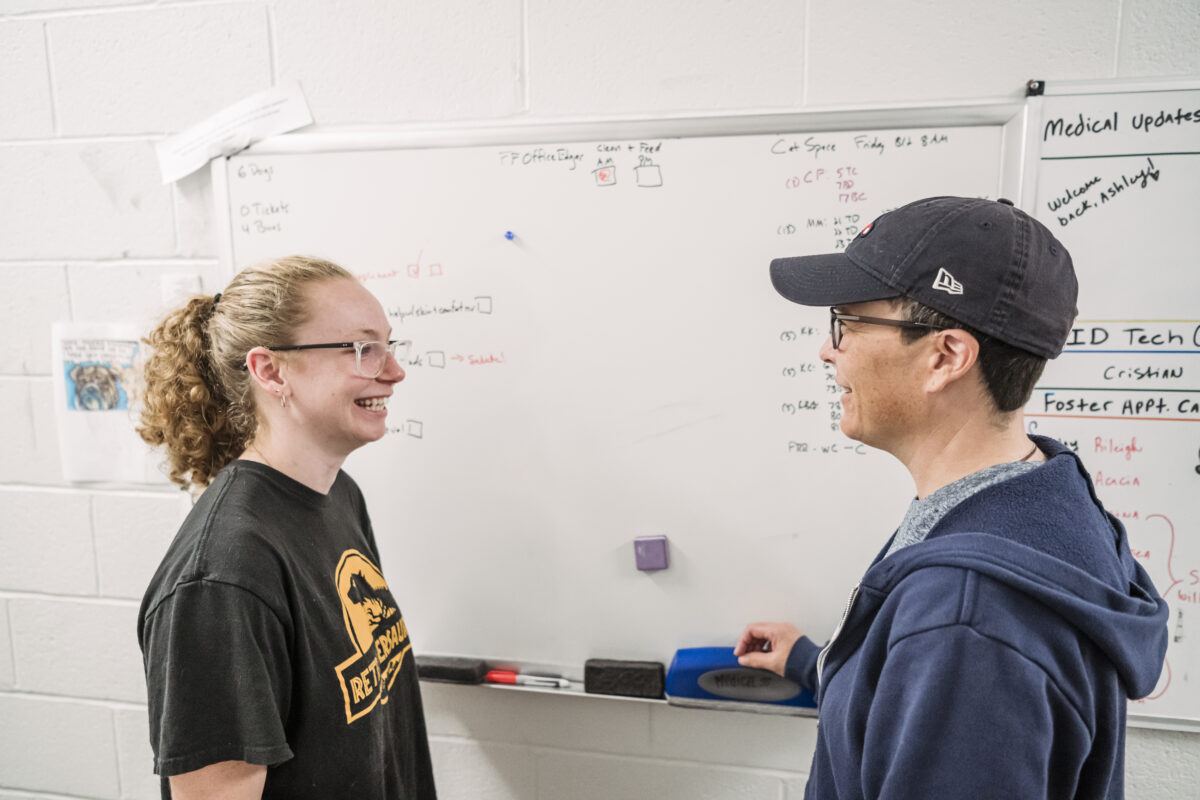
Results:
<point x="1045" y="535"/>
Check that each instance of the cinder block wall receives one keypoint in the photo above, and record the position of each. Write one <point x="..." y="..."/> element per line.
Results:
<point x="87" y="233"/>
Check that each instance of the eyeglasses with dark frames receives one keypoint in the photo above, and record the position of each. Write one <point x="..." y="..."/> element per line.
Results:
<point x="836" y="318"/>
<point x="369" y="357"/>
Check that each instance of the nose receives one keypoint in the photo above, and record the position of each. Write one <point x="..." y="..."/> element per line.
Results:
<point x="827" y="352"/>
<point x="392" y="371"/>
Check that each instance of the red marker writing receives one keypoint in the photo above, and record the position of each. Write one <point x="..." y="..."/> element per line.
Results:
<point x="506" y="676"/>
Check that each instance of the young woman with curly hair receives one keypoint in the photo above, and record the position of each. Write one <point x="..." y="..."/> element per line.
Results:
<point x="277" y="661"/>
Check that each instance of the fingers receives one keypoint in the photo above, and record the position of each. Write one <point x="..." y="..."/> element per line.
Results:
<point x="773" y="661"/>
<point x="757" y="636"/>
<point x="750" y="641"/>
<point x="766" y="645"/>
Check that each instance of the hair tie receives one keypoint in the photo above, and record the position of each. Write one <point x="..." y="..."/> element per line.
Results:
<point x="216" y="300"/>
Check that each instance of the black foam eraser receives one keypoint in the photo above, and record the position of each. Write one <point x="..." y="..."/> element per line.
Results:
<point x="624" y="678"/>
<point x="451" y="669"/>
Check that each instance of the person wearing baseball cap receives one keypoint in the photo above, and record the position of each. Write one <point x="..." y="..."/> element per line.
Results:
<point x="991" y="646"/>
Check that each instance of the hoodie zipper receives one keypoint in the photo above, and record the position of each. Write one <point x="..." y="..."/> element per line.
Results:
<point x="845" y="615"/>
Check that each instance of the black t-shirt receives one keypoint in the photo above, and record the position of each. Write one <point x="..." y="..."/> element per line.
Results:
<point x="270" y="636"/>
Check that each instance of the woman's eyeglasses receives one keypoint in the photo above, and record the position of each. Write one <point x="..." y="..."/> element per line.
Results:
<point x="369" y="357"/>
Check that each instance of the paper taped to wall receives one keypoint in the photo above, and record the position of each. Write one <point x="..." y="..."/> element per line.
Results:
<point x="96" y="389"/>
<point x="233" y="129"/>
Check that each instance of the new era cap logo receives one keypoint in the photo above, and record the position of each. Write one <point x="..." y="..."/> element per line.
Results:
<point x="944" y="282"/>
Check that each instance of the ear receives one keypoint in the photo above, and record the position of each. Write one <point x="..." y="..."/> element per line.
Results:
<point x="953" y="354"/>
<point x="268" y="370"/>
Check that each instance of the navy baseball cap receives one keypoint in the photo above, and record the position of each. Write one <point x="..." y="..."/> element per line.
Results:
<point x="985" y="263"/>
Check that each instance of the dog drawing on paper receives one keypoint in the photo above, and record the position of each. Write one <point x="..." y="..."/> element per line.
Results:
<point x="97" y="387"/>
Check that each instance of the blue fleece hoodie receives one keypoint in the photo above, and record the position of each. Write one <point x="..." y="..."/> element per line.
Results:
<point x="994" y="659"/>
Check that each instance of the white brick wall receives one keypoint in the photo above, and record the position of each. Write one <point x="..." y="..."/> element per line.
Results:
<point x="68" y="647"/>
<point x="155" y="70"/>
<point x="402" y="61"/>
<point x="135" y="758"/>
<point x="47" y="542"/>
<point x="1146" y="51"/>
<point x="54" y="745"/>
<point x="735" y="60"/>
<point x="8" y="675"/>
<point x="124" y="291"/>
<point x="30" y="453"/>
<point x="26" y="317"/>
<point x="85" y="200"/>
<point x="27" y="80"/>
<point x="1007" y="44"/>
<point x="516" y="737"/>
<point x="131" y="534"/>
<point x="87" y="232"/>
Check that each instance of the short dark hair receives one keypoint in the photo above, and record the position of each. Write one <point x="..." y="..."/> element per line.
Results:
<point x="1009" y="373"/>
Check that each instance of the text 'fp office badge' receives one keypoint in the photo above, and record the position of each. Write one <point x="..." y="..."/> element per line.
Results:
<point x="377" y="631"/>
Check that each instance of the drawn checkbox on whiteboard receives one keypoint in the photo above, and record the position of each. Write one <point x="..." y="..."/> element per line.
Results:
<point x="437" y="358"/>
<point x="415" y="428"/>
<point x="605" y="176"/>
<point x="483" y="305"/>
<point x="648" y="175"/>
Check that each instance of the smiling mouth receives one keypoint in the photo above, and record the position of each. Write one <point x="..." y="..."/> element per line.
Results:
<point x="373" y="403"/>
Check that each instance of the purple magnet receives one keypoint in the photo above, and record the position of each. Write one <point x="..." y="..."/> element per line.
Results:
<point x="651" y="553"/>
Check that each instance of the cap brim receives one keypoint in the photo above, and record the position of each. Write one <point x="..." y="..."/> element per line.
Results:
<point x="827" y="280"/>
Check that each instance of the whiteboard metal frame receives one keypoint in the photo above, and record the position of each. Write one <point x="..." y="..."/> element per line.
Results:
<point x="1123" y="85"/>
<point x="1009" y="114"/>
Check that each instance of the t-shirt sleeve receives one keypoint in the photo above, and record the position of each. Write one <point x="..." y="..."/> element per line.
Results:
<point x="218" y="679"/>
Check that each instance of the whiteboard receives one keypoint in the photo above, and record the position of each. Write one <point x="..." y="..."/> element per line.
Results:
<point x="620" y="367"/>
<point x="1118" y="181"/>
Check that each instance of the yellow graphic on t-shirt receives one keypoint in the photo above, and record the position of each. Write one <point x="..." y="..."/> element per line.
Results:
<point x="376" y="630"/>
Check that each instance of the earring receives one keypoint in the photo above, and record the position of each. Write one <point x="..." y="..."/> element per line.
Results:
<point x="283" y="401"/>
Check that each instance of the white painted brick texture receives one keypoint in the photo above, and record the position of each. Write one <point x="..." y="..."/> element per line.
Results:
<point x="883" y="52"/>
<point x="764" y="741"/>
<point x="583" y="776"/>
<point x="157" y="70"/>
<point x="1159" y="37"/>
<point x="83" y="201"/>
<point x="118" y="291"/>
<point x="194" y="223"/>
<point x="30" y="453"/>
<point x="132" y="533"/>
<point x="628" y="56"/>
<point x="24" y="81"/>
<point x="135" y="757"/>
<point x="46" y="540"/>
<point x="58" y="746"/>
<point x="7" y="671"/>
<point x="77" y="648"/>
<point x="402" y="60"/>
<point x="35" y="300"/>
<point x="483" y="770"/>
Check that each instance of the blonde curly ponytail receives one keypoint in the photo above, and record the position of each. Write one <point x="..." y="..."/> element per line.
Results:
<point x="199" y="401"/>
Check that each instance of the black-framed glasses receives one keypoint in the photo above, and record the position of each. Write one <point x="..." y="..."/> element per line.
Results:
<point x="369" y="357"/>
<point x="836" y="318"/>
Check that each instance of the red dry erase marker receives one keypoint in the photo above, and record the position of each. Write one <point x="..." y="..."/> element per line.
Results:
<point x="507" y="676"/>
